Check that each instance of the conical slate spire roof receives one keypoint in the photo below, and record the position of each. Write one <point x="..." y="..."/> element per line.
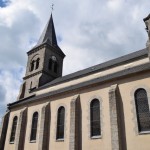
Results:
<point x="48" y="34"/>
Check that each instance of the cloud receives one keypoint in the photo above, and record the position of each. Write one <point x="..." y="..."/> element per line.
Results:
<point x="114" y="5"/>
<point x="9" y="86"/>
<point x="89" y="33"/>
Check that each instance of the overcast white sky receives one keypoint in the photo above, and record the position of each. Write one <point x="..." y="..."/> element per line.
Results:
<point x="88" y="31"/>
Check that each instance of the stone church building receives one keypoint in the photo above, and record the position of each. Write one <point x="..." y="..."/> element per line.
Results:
<point x="104" y="107"/>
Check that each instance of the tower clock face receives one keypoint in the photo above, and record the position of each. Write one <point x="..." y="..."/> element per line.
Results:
<point x="54" y="58"/>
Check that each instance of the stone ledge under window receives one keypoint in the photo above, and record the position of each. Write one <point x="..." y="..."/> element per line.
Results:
<point x="11" y="142"/>
<point x="144" y="132"/>
<point x="96" y="137"/>
<point x="59" y="140"/>
<point x="33" y="141"/>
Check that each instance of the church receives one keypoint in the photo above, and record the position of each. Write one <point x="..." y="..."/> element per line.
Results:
<point x="104" y="107"/>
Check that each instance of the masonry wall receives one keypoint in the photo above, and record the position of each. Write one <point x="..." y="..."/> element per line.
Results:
<point x="134" y="139"/>
<point x="129" y="138"/>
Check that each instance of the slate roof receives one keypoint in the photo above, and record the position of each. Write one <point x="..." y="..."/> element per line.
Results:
<point x="100" y="67"/>
<point x="48" y="33"/>
<point x="48" y="38"/>
<point x="104" y="79"/>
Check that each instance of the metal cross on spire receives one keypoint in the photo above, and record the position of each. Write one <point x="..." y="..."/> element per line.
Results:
<point x="52" y="7"/>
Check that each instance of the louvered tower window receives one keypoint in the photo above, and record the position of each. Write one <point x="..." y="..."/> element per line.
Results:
<point x="60" y="123"/>
<point x="37" y="63"/>
<point x="32" y="65"/>
<point x="34" y="126"/>
<point x="95" y="118"/>
<point x="53" y="64"/>
<point x="142" y="110"/>
<point x="13" y="130"/>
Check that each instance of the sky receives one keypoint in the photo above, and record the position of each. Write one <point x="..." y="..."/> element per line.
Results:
<point x="88" y="32"/>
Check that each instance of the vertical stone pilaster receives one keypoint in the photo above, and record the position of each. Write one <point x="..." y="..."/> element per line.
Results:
<point x="114" y="120"/>
<point x="3" y="130"/>
<point x="44" y="128"/>
<point x="21" y="130"/>
<point x="74" y="124"/>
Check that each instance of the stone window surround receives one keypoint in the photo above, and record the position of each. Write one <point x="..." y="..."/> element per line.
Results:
<point x="16" y="114"/>
<point x="134" y="119"/>
<point x="30" y="127"/>
<point x="65" y="127"/>
<point x="89" y="117"/>
<point x="34" y="58"/>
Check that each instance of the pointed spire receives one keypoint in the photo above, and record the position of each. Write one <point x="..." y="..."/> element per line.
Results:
<point x="48" y="34"/>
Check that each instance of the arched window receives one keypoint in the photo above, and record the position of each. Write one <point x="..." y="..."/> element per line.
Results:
<point x="32" y="65"/>
<point x="142" y="110"/>
<point x="60" y="123"/>
<point x="53" y="64"/>
<point x="13" y="130"/>
<point x="95" y="117"/>
<point x="34" y="126"/>
<point x="37" y="63"/>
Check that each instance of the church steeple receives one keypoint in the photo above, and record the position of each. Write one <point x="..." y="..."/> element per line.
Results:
<point x="45" y="61"/>
<point x="48" y="34"/>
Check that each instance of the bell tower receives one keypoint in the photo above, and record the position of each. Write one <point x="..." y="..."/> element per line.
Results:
<point x="45" y="62"/>
<point x="147" y="23"/>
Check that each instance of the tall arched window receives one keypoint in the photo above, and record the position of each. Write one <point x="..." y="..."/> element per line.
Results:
<point x="142" y="110"/>
<point x="13" y="130"/>
<point x="34" y="126"/>
<point x="95" y="117"/>
<point x="37" y="63"/>
<point x="60" y="122"/>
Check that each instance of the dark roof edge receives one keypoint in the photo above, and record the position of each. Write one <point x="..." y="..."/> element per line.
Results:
<point x="44" y="44"/>
<point x="120" y="74"/>
<point x="103" y="66"/>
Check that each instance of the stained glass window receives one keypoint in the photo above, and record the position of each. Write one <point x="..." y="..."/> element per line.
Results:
<point x="60" y="123"/>
<point x="34" y="126"/>
<point x="142" y="110"/>
<point x="95" y="117"/>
